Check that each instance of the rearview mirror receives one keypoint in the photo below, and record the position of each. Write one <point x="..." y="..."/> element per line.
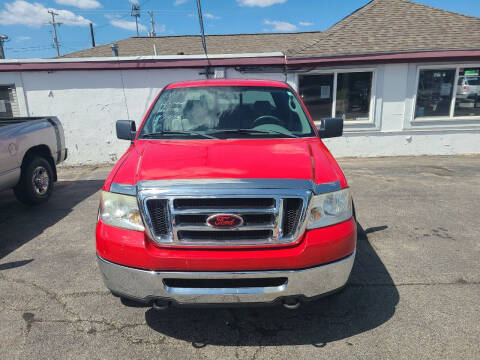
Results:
<point x="330" y="127"/>
<point x="126" y="129"/>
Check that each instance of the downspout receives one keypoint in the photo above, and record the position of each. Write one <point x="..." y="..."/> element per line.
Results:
<point x="24" y="93"/>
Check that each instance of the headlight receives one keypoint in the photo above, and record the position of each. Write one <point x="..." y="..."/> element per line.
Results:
<point x="331" y="208"/>
<point x="120" y="211"/>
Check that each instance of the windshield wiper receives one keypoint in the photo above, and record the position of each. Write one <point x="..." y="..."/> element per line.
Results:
<point x="252" y="131"/>
<point x="167" y="132"/>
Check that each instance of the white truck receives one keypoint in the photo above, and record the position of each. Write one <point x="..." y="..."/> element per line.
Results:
<point x="30" y="149"/>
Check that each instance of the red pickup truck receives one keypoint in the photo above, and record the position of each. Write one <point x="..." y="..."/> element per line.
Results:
<point x="226" y="195"/>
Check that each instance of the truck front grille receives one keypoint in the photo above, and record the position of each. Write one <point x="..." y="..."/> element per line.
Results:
<point x="225" y="235"/>
<point x="182" y="220"/>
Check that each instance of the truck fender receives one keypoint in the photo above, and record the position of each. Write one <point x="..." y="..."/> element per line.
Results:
<point x="44" y="151"/>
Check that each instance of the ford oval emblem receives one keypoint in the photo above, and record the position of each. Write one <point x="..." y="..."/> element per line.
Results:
<point x="224" y="220"/>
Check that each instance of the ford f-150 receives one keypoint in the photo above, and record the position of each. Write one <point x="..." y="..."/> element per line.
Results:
<point x="226" y="195"/>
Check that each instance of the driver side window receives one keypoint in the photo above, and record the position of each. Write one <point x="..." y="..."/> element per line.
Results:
<point x="260" y="103"/>
<point x="251" y="97"/>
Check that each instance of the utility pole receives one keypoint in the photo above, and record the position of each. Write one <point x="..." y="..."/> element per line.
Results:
<point x="92" y="35"/>
<point x="3" y="38"/>
<point x="135" y="13"/>
<point x="152" y="23"/>
<point x="54" y="24"/>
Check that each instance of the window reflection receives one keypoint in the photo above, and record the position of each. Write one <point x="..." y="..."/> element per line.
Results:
<point x="435" y="90"/>
<point x="316" y="92"/>
<point x="467" y="101"/>
<point x="6" y="101"/>
<point x="353" y="96"/>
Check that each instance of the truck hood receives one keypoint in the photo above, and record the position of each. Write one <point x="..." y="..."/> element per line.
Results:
<point x="237" y="158"/>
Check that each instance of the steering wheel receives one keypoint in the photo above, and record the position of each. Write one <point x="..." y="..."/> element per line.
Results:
<point x="267" y="119"/>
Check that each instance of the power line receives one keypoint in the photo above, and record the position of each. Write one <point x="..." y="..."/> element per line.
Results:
<point x="29" y="48"/>
<point x="84" y="12"/>
<point x="202" y="34"/>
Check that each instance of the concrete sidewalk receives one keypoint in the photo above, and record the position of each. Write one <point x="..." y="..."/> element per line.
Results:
<point x="414" y="291"/>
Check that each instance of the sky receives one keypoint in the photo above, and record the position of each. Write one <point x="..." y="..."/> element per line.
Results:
<point x="26" y="23"/>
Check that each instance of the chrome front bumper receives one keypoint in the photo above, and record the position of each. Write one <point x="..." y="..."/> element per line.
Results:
<point x="150" y="285"/>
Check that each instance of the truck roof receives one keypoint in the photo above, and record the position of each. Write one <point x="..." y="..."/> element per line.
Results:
<point x="227" y="82"/>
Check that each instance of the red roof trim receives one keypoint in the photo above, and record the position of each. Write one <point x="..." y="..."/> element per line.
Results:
<point x="141" y="64"/>
<point x="444" y="55"/>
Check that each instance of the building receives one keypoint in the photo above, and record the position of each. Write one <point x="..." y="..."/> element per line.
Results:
<point x="405" y="76"/>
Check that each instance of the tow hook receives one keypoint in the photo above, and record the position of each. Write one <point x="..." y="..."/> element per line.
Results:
<point x="160" y="305"/>
<point x="291" y="303"/>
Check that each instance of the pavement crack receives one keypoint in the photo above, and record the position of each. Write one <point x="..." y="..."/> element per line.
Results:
<point x="50" y="294"/>
<point x="75" y="318"/>
<point x="86" y="293"/>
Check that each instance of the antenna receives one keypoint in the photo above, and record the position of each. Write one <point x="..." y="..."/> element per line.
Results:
<point x="202" y="34"/>
<point x="3" y="38"/>
<point x="152" y="23"/>
<point x="92" y="36"/>
<point x="136" y="14"/>
<point x="54" y="24"/>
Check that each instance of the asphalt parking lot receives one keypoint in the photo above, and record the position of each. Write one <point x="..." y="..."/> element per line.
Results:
<point x="414" y="291"/>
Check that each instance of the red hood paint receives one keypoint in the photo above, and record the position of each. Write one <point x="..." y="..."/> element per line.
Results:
<point x="306" y="158"/>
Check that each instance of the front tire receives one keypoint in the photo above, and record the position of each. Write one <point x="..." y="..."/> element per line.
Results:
<point x="36" y="181"/>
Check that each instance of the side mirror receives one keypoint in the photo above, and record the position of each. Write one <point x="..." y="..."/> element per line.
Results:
<point x="126" y="129"/>
<point x="330" y="127"/>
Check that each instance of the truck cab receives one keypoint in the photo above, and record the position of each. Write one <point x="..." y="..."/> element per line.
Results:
<point x="226" y="195"/>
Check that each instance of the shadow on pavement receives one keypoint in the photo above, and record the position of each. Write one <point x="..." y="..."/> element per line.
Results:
<point x="367" y="302"/>
<point x="14" y="264"/>
<point x="19" y="223"/>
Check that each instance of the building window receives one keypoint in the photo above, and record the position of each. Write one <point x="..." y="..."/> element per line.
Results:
<point x="467" y="102"/>
<point x="8" y="101"/>
<point x="353" y="96"/>
<point x="448" y="93"/>
<point x="341" y="94"/>
<point x="316" y="92"/>
<point x="434" y="94"/>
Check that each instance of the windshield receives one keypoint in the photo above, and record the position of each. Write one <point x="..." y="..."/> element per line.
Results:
<point x="472" y="80"/>
<point x="227" y="112"/>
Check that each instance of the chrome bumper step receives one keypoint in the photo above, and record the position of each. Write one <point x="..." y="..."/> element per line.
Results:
<point x="180" y="286"/>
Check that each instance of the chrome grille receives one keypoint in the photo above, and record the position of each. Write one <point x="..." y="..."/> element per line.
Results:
<point x="189" y="219"/>
<point x="248" y="219"/>
<point x="224" y="203"/>
<point x="177" y="216"/>
<point x="225" y="235"/>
